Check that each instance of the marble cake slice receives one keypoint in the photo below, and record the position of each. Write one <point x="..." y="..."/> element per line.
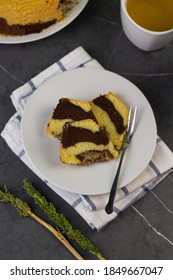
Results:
<point x="68" y="110"/>
<point x="84" y="142"/>
<point x="112" y="115"/>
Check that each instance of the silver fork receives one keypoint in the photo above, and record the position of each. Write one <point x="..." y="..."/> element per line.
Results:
<point x="129" y="134"/>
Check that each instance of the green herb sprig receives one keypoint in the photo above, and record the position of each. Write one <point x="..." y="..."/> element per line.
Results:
<point x="21" y="206"/>
<point x="60" y="220"/>
<point x="24" y="210"/>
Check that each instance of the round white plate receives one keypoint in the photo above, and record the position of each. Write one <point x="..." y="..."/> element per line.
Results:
<point x="70" y="16"/>
<point x="43" y="150"/>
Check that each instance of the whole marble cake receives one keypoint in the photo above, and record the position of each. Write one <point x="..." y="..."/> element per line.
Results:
<point x="22" y="17"/>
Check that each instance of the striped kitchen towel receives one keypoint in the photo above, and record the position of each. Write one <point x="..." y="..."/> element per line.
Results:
<point x="91" y="208"/>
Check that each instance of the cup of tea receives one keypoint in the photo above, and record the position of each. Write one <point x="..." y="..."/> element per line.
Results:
<point x="148" y="24"/>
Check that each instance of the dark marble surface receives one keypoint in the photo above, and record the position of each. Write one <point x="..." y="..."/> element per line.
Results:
<point x="144" y="230"/>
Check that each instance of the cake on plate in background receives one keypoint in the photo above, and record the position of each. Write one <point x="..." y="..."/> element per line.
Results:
<point x="22" y="17"/>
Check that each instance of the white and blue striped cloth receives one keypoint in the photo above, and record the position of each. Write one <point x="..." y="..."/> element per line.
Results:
<point x="91" y="208"/>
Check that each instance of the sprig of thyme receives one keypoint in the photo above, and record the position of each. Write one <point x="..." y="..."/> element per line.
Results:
<point x="24" y="210"/>
<point x="21" y="206"/>
<point x="60" y="220"/>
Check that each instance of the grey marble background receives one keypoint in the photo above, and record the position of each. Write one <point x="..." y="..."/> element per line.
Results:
<point x="144" y="230"/>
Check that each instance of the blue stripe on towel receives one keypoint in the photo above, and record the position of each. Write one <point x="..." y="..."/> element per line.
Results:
<point x="61" y="66"/>
<point x="155" y="169"/>
<point x="18" y="117"/>
<point x="154" y="182"/>
<point x="92" y="225"/>
<point x="26" y="95"/>
<point x="159" y="139"/>
<point x="116" y="210"/>
<point x="145" y="188"/>
<point x="84" y="63"/>
<point x="22" y="152"/>
<point x="77" y="202"/>
<point x="89" y="201"/>
<point x="125" y="190"/>
<point x="32" y="86"/>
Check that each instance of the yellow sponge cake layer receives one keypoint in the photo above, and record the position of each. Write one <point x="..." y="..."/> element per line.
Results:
<point x="83" y="142"/>
<point x="68" y="110"/>
<point x="19" y="17"/>
<point x="112" y="115"/>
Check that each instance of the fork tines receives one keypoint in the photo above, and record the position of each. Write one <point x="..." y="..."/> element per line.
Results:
<point x="131" y="121"/>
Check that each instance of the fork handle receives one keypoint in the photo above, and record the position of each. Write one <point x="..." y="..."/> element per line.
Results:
<point x="109" y="206"/>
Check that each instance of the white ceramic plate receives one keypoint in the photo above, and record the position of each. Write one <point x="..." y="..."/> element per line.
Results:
<point x="43" y="150"/>
<point x="70" y="16"/>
